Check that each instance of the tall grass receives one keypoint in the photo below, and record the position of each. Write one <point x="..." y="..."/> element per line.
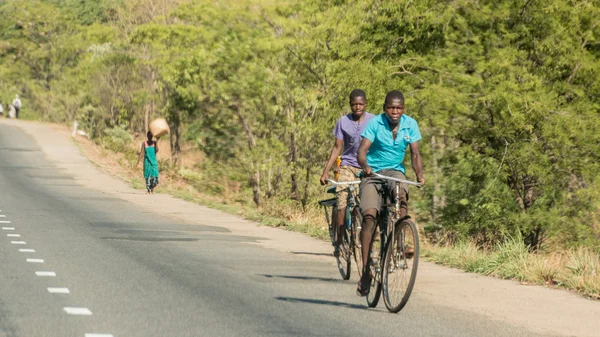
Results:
<point x="576" y="269"/>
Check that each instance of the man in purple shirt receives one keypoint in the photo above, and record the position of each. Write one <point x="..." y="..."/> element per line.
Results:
<point x="347" y="134"/>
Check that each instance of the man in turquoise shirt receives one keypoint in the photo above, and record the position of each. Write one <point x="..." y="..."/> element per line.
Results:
<point x="382" y="149"/>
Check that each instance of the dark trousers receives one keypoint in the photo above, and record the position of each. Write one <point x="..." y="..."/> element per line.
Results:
<point x="17" y="112"/>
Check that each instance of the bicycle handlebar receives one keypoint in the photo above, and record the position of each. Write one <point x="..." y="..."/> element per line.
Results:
<point x="408" y="182"/>
<point x="356" y="182"/>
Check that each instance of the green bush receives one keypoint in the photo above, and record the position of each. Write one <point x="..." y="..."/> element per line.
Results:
<point x="116" y="139"/>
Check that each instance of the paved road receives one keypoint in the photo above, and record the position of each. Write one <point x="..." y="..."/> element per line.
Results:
<point x="130" y="272"/>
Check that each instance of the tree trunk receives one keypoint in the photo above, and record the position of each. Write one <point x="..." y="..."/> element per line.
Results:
<point x="174" y="138"/>
<point x="247" y="129"/>
<point x="294" y="175"/>
<point x="272" y="193"/>
<point x="255" y="184"/>
<point x="435" y="201"/>
<point x="293" y="151"/>
<point x="306" y="184"/>
<point x="255" y="168"/>
<point x="534" y="239"/>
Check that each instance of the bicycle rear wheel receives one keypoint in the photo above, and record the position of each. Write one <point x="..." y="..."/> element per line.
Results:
<point x="355" y="243"/>
<point x="331" y="225"/>
<point x="400" y="265"/>
<point x="375" y="269"/>
<point x="344" y="259"/>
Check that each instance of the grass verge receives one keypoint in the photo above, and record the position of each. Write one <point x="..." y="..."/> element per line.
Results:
<point x="576" y="269"/>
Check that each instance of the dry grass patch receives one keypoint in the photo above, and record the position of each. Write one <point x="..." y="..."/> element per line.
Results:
<point x="584" y="268"/>
<point x="576" y="269"/>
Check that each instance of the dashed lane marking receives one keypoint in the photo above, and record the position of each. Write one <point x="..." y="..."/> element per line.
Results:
<point x="25" y="250"/>
<point x="35" y="260"/>
<point x="18" y="242"/>
<point x="54" y="290"/>
<point x="77" y="311"/>
<point x="45" y="273"/>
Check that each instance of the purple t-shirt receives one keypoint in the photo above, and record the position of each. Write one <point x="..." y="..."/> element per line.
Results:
<point x="349" y="131"/>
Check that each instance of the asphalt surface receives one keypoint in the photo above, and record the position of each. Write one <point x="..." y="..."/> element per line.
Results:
<point x="130" y="272"/>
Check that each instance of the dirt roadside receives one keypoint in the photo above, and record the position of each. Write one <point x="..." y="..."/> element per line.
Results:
<point x="534" y="308"/>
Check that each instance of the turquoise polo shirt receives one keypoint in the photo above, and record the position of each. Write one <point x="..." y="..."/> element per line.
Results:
<point x="385" y="151"/>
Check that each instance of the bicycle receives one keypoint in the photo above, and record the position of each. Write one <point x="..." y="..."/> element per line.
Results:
<point x="391" y="253"/>
<point x="350" y="240"/>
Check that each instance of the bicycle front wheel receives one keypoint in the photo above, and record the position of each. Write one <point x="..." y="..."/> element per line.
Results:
<point x="375" y="269"/>
<point x="400" y="265"/>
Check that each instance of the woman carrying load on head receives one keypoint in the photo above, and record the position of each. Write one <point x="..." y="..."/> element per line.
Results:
<point x="148" y="152"/>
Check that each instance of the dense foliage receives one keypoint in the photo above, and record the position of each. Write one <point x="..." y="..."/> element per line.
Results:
<point x="505" y="91"/>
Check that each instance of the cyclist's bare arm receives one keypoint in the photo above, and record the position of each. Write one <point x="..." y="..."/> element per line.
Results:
<point x="335" y="152"/>
<point x="417" y="163"/>
<point x="365" y="144"/>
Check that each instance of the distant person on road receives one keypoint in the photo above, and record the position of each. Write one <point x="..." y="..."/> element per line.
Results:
<point x="148" y="152"/>
<point x="17" y="105"/>
<point x="1" y="109"/>
<point x="347" y="133"/>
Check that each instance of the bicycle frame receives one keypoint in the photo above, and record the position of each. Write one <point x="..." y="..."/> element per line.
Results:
<point x="396" y="204"/>
<point x="351" y="201"/>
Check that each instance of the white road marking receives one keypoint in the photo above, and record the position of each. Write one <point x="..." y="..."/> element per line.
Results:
<point x="4" y="221"/>
<point x="2" y="216"/>
<point x="27" y="250"/>
<point x="58" y="290"/>
<point x="18" y="242"/>
<point x="8" y="228"/>
<point x="35" y="260"/>
<point x="98" y="335"/>
<point x="45" y="273"/>
<point x="13" y="235"/>
<point x="77" y="311"/>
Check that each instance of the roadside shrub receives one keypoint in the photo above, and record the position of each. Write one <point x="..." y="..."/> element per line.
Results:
<point x="116" y="139"/>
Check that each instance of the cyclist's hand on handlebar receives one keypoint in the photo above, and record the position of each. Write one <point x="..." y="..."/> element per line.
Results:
<point x="421" y="180"/>
<point x="324" y="178"/>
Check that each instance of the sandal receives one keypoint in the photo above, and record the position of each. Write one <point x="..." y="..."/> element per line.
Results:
<point x="364" y="286"/>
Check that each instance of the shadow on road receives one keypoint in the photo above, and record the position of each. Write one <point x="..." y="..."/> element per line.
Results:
<point x="309" y="253"/>
<point x="305" y="278"/>
<point x="322" y="302"/>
